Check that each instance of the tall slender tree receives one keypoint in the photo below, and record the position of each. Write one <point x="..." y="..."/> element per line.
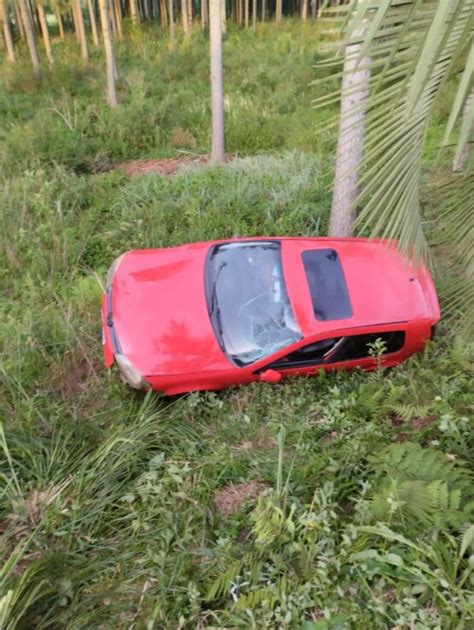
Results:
<point x="18" y="21"/>
<point x="111" y="64"/>
<point x="81" y="29"/>
<point x="134" y="12"/>
<point x="44" y="30"/>
<point x="7" y="34"/>
<point x="223" y="17"/>
<point x="204" y="14"/>
<point x="172" y="25"/>
<point x="217" y="83"/>
<point x="30" y="36"/>
<point x="279" y="10"/>
<point x="93" y="21"/>
<point x="117" y="10"/>
<point x="350" y="144"/>
<point x="184" y="16"/>
<point x="59" y="20"/>
<point x="254" y="15"/>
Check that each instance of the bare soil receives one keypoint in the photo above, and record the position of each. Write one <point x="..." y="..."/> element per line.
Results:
<point x="169" y="166"/>
<point x="231" y="498"/>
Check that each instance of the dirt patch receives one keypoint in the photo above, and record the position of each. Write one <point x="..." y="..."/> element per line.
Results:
<point x="262" y="440"/>
<point x="170" y="166"/>
<point x="422" y="423"/>
<point x="231" y="498"/>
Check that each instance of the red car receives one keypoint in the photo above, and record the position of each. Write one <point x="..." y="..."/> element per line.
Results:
<point x="210" y="315"/>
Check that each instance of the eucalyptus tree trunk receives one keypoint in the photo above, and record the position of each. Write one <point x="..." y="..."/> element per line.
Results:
<point x="204" y="14"/>
<point x="7" y="34"/>
<point x="95" y="36"/>
<point x="171" y="12"/>
<point x="350" y="142"/>
<point x="314" y="9"/>
<point x="111" y="64"/>
<point x="81" y="30"/>
<point x="59" y="19"/>
<point x="184" y="16"/>
<point x="163" y="14"/>
<point x="278" y="10"/>
<point x="264" y="10"/>
<point x="44" y="30"/>
<point x="461" y="155"/>
<point x="246" y="13"/>
<point x="217" y="85"/>
<point x="254" y="15"/>
<point x="30" y="37"/>
<point x="134" y="12"/>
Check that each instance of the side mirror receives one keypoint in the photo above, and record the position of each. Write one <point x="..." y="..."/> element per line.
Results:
<point x="270" y="376"/>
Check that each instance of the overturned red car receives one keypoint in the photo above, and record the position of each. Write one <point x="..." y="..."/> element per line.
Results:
<point x="205" y="316"/>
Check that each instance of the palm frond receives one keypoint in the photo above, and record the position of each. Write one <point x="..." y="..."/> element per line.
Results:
<point x="411" y="48"/>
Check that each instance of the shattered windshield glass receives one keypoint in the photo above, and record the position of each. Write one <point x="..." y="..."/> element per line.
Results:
<point x="248" y="302"/>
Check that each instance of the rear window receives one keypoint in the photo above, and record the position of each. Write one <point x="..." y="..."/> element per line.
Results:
<point x="327" y="284"/>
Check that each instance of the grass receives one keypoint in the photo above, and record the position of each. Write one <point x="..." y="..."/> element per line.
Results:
<point x="111" y="502"/>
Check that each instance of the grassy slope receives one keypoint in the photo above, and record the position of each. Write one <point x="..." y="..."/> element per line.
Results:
<point x="107" y="511"/>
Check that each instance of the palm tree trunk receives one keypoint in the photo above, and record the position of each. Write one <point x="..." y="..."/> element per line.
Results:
<point x="18" y="21"/>
<point x="118" y="17"/>
<point x="304" y="9"/>
<point x="134" y="12"/>
<point x="163" y="14"/>
<point x="350" y="142"/>
<point x="461" y="155"/>
<point x="95" y="36"/>
<point x="204" y="15"/>
<point x="184" y="16"/>
<point x="223" y="17"/>
<point x="44" y="31"/>
<point x="217" y="85"/>
<point x="81" y="30"/>
<point x="190" y="13"/>
<point x="110" y="61"/>
<point x="278" y="11"/>
<point x="171" y="12"/>
<point x="59" y="19"/>
<point x="30" y="37"/>
<point x="7" y="34"/>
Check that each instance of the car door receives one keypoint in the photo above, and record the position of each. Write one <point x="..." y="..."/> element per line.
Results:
<point x="342" y="351"/>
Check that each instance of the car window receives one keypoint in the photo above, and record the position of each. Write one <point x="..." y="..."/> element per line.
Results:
<point x="327" y="284"/>
<point x="336" y="349"/>
<point x="248" y="302"/>
<point x="359" y="346"/>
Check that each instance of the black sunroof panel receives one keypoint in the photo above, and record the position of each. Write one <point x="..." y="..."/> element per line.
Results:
<point x="327" y="284"/>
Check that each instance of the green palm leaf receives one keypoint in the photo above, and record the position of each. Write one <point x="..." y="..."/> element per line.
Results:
<point x="412" y="48"/>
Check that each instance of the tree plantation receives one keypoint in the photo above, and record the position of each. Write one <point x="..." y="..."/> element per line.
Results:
<point x="332" y="501"/>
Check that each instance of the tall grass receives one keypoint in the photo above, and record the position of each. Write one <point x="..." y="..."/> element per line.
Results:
<point x="108" y="509"/>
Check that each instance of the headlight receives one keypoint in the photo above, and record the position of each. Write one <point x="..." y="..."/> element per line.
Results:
<point x="130" y="374"/>
<point x="111" y="272"/>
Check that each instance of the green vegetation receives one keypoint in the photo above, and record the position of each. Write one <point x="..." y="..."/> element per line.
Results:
<point x="120" y="511"/>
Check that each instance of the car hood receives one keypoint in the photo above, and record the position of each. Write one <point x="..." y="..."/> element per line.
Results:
<point x="160" y="312"/>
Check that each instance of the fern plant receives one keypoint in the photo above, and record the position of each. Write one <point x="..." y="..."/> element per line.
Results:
<point x="420" y="490"/>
